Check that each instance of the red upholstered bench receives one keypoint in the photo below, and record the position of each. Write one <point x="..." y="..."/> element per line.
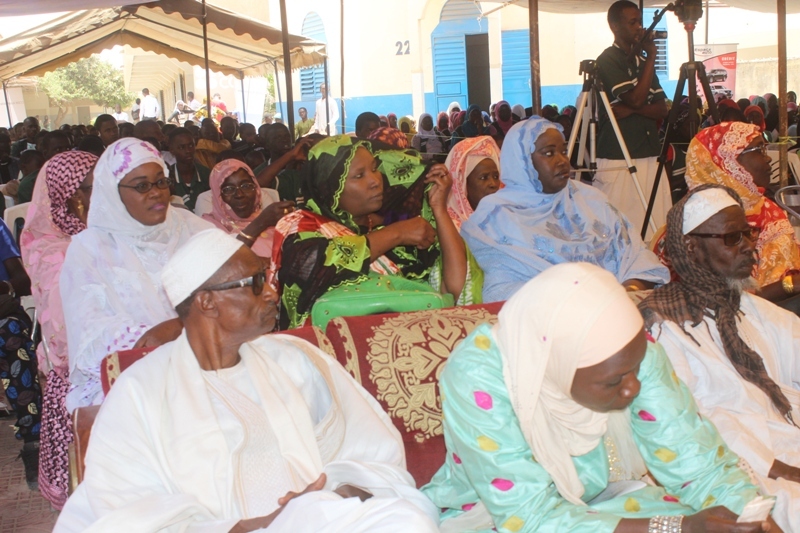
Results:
<point x="398" y="358"/>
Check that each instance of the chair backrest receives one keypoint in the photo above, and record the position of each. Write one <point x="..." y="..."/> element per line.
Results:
<point x="14" y="214"/>
<point x="775" y="173"/>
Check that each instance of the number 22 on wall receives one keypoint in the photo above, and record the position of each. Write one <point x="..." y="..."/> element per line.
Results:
<point x="400" y="46"/>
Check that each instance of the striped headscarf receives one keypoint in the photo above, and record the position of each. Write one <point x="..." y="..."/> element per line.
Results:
<point x="65" y="173"/>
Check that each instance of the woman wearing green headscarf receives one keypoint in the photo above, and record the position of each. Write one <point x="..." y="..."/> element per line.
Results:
<point x="362" y="216"/>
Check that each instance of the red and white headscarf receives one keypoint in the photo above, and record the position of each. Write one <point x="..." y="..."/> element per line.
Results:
<point x="462" y="160"/>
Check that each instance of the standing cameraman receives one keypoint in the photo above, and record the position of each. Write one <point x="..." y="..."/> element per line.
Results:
<point x="638" y="102"/>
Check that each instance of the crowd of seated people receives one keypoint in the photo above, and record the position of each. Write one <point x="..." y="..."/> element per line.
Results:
<point x="578" y="411"/>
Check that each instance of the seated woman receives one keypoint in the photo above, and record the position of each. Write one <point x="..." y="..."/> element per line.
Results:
<point x="542" y="218"/>
<point x="337" y="239"/>
<point x="565" y="396"/>
<point x="59" y="210"/>
<point x="475" y="167"/>
<point x="472" y="125"/>
<point x="238" y="206"/>
<point x="734" y="154"/>
<point x="111" y="291"/>
<point x="210" y="145"/>
<point x="428" y="141"/>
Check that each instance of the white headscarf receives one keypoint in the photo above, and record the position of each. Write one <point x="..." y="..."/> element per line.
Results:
<point x="571" y="316"/>
<point x="110" y="285"/>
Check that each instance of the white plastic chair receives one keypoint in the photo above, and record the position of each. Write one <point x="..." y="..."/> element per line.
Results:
<point x="12" y="214"/>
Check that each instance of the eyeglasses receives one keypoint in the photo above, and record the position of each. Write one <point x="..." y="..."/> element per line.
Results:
<point x="144" y="187"/>
<point x="760" y="148"/>
<point x="230" y="190"/>
<point x="733" y="238"/>
<point x="255" y="282"/>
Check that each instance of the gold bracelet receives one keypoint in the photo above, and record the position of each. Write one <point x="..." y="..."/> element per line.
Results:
<point x="788" y="285"/>
<point x="248" y="237"/>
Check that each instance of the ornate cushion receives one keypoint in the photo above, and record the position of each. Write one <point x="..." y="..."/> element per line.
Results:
<point x="398" y="358"/>
<point x="315" y="336"/>
<point x="113" y="364"/>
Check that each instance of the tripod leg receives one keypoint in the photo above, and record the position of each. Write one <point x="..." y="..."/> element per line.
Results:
<point x="712" y="102"/>
<point x="673" y="116"/>
<point x="573" y="137"/>
<point x="626" y="154"/>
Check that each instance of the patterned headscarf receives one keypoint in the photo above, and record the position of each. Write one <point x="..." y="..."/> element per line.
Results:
<point x="701" y="292"/>
<point x="390" y="136"/>
<point x="324" y="177"/>
<point x="712" y="159"/>
<point x="505" y="125"/>
<point x="65" y="173"/>
<point x="462" y="160"/>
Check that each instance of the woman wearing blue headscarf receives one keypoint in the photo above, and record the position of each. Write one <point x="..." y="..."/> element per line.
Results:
<point x="542" y="218"/>
<point x="473" y="126"/>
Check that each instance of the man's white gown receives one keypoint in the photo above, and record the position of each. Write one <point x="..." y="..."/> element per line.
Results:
<point x="744" y="415"/>
<point x="175" y="448"/>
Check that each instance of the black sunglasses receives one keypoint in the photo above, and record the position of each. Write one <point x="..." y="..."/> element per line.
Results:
<point x="255" y="282"/>
<point x="143" y="187"/>
<point x="733" y="238"/>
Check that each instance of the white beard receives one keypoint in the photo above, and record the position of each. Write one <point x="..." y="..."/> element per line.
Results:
<point x="748" y="284"/>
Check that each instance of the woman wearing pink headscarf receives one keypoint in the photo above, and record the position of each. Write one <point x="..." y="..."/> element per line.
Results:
<point x="238" y="206"/>
<point x="474" y="164"/>
<point x="58" y="211"/>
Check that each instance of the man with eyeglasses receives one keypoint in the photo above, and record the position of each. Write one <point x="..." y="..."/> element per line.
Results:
<point x="229" y="429"/>
<point x="736" y="351"/>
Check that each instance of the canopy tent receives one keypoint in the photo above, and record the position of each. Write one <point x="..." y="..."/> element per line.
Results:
<point x="14" y="8"/>
<point x="174" y="28"/>
<point x="601" y="6"/>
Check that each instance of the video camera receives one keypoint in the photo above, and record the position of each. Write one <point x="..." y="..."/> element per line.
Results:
<point x="689" y="11"/>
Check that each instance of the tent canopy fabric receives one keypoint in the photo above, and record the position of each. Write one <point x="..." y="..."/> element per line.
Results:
<point x="237" y="45"/>
<point x="601" y="6"/>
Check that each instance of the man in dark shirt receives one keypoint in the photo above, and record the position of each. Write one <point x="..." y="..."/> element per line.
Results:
<point x="30" y="129"/>
<point x="189" y="178"/>
<point x="638" y="103"/>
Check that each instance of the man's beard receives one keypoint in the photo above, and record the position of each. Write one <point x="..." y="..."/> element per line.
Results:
<point x="748" y="284"/>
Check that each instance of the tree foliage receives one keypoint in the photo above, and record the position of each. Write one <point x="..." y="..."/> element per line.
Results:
<point x="90" y="78"/>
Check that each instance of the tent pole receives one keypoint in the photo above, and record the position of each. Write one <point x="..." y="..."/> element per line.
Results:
<point x="783" y="113"/>
<point x="341" y="53"/>
<point x="8" y="106"/>
<point x="327" y="98"/>
<point x="205" y="56"/>
<point x="244" y="106"/>
<point x="287" y="68"/>
<point x="536" y="80"/>
<point x="278" y="87"/>
<point x="708" y="16"/>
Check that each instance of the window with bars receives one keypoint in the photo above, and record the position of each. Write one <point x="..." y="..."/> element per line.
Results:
<point x="311" y="78"/>
<point x="662" y="58"/>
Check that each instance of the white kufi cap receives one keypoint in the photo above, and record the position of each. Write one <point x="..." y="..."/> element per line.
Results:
<point x="195" y="262"/>
<point x="703" y="205"/>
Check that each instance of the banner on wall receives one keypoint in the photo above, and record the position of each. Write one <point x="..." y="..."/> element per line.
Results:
<point x="720" y="63"/>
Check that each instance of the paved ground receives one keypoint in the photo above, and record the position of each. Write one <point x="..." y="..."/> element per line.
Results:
<point x="21" y="510"/>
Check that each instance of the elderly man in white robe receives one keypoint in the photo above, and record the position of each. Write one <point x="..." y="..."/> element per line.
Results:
<point x="225" y="429"/>
<point x="737" y="353"/>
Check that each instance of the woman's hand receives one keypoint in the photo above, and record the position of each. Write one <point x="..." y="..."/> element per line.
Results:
<point x="414" y="232"/>
<point x="301" y="148"/>
<point x="163" y="333"/>
<point x="442" y="183"/>
<point x="271" y="214"/>
<point x="721" y="520"/>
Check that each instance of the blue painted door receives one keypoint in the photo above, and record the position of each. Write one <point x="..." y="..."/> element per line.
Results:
<point x="450" y="71"/>
<point x="458" y="18"/>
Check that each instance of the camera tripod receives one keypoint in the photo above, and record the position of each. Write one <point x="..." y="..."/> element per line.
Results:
<point x="586" y="120"/>
<point x="688" y="12"/>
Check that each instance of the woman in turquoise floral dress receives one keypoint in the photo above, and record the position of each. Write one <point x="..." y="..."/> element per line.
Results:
<point x="554" y="418"/>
